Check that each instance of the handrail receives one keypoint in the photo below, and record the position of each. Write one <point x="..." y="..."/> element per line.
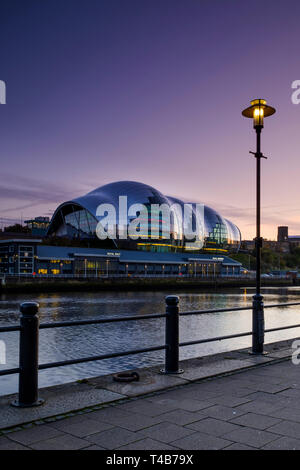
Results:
<point x="100" y="320"/>
<point x="69" y="362"/>
<point x="29" y="329"/>
<point x="94" y="321"/>
<point x="234" y="309"/>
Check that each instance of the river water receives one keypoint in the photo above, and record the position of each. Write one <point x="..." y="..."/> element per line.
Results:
<point x="59" y="344"/>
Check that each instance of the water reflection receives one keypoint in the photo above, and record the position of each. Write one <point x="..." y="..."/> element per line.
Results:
<point x="74" y="342"/>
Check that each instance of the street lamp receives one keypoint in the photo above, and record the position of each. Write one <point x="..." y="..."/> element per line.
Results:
<point x="258" y="111"/>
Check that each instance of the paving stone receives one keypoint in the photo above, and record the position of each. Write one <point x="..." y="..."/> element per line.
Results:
<point x="143" y="407"/>
<point x="291" y="392"/>
<point x="235" y="391"/>
<point x="64" y="442"/>
<point x="3" y="440"/>
<point x="94" y="447"/>
<point x="258" y="375"/>
<point x="238" y="446"/>
<point x="268" y="398"/>
<point x="182" y="417"/>
<point x="34" y="434"/>
<point x="194" y="393"/>
<point x="293" y="403"/>
<point x="286" y="428"/>
<point x="85" y="427"/>
<point x="201" y="441"/>
<point x="245" y="383"/>
<point x="163" y="399"/>
<point x="255" y="421"/>
<point x="213" y="426"/>
<point x="114" y="438"/>
<point x="288" y="413"/>
<point x="166" y="432"/>
<point x="112" y="415"/>
<point x="259" y="407"/>
<point x="271" y="388"/>
<point x="136" y="422"/>
<point x="223" y="412"/>
<point x="7" y="444"/>
<point x="252" y="437"/>
<point x="190" y="404"/>
<point x="147" y="444"/>
<point x="60" y="423"/>
<point x="131" y="421"/>
<point x="283" y="443"/>
<point x="231" y="401"/>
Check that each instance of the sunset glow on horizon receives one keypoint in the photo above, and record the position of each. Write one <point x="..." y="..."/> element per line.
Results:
<point x="102" y="91"/>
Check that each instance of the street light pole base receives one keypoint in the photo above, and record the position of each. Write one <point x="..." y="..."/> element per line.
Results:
<point x="17" y="404"/>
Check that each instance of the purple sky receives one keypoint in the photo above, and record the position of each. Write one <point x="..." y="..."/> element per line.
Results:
<point x="151" y="91"/>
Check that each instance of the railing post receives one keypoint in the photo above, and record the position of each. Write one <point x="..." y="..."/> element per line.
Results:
<point x="258" y="325"/>
<point x="172" y="336"/>
<point x="29" y="351"/>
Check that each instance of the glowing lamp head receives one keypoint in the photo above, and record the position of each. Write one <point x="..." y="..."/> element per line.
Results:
<point x="257" y="111"/>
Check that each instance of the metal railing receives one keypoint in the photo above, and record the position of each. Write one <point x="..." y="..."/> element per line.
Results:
<point x="29" y="342"/>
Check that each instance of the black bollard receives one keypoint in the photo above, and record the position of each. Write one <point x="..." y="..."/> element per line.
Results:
<point x="172" y="336"/>
<point x="29" y="352"/>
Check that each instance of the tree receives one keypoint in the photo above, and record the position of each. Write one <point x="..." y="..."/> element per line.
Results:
<point x="17" y="228"/>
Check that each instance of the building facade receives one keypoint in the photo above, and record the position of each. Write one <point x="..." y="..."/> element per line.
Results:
<point x="30" y="257"/>
<point x="283" y="237"/>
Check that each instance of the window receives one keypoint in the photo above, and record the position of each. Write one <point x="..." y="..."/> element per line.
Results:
<point x="55" y="271"/>
<point x="43" y="271"/>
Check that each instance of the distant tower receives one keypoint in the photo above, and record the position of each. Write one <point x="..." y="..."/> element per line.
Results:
<point x="283" y="234"/>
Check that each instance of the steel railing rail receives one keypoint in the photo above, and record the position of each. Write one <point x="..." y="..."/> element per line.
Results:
<point x="10" y="371"/>
<point x="5" y="329"/>
<point x="100" y="321"/>
<point x="70" y="362"/>
<point x="217" y="338"/>
<point x="235" y="309"/>
<point x="94" y="321"/>
<point x="29" y="342"/>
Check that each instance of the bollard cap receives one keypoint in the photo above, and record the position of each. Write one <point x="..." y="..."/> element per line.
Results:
<point x="29" y="308"/>
<point x="172" y="299"/>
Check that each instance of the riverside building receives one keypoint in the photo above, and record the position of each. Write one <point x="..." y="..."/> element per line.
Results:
<point x="71" y="247"/>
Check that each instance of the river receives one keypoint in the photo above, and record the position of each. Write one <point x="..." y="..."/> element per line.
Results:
<point x="66" y="343"/>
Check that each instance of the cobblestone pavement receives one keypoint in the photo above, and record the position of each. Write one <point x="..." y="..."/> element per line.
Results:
<point x="254" y="409"/>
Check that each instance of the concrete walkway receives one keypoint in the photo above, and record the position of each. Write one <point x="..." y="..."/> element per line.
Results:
<point x="252" y="409"/>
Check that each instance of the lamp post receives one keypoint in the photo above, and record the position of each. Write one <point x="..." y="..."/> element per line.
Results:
<point x="257" y="111"/>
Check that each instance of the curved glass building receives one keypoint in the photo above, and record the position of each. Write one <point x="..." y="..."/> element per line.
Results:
<point x="78" y="219"/>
